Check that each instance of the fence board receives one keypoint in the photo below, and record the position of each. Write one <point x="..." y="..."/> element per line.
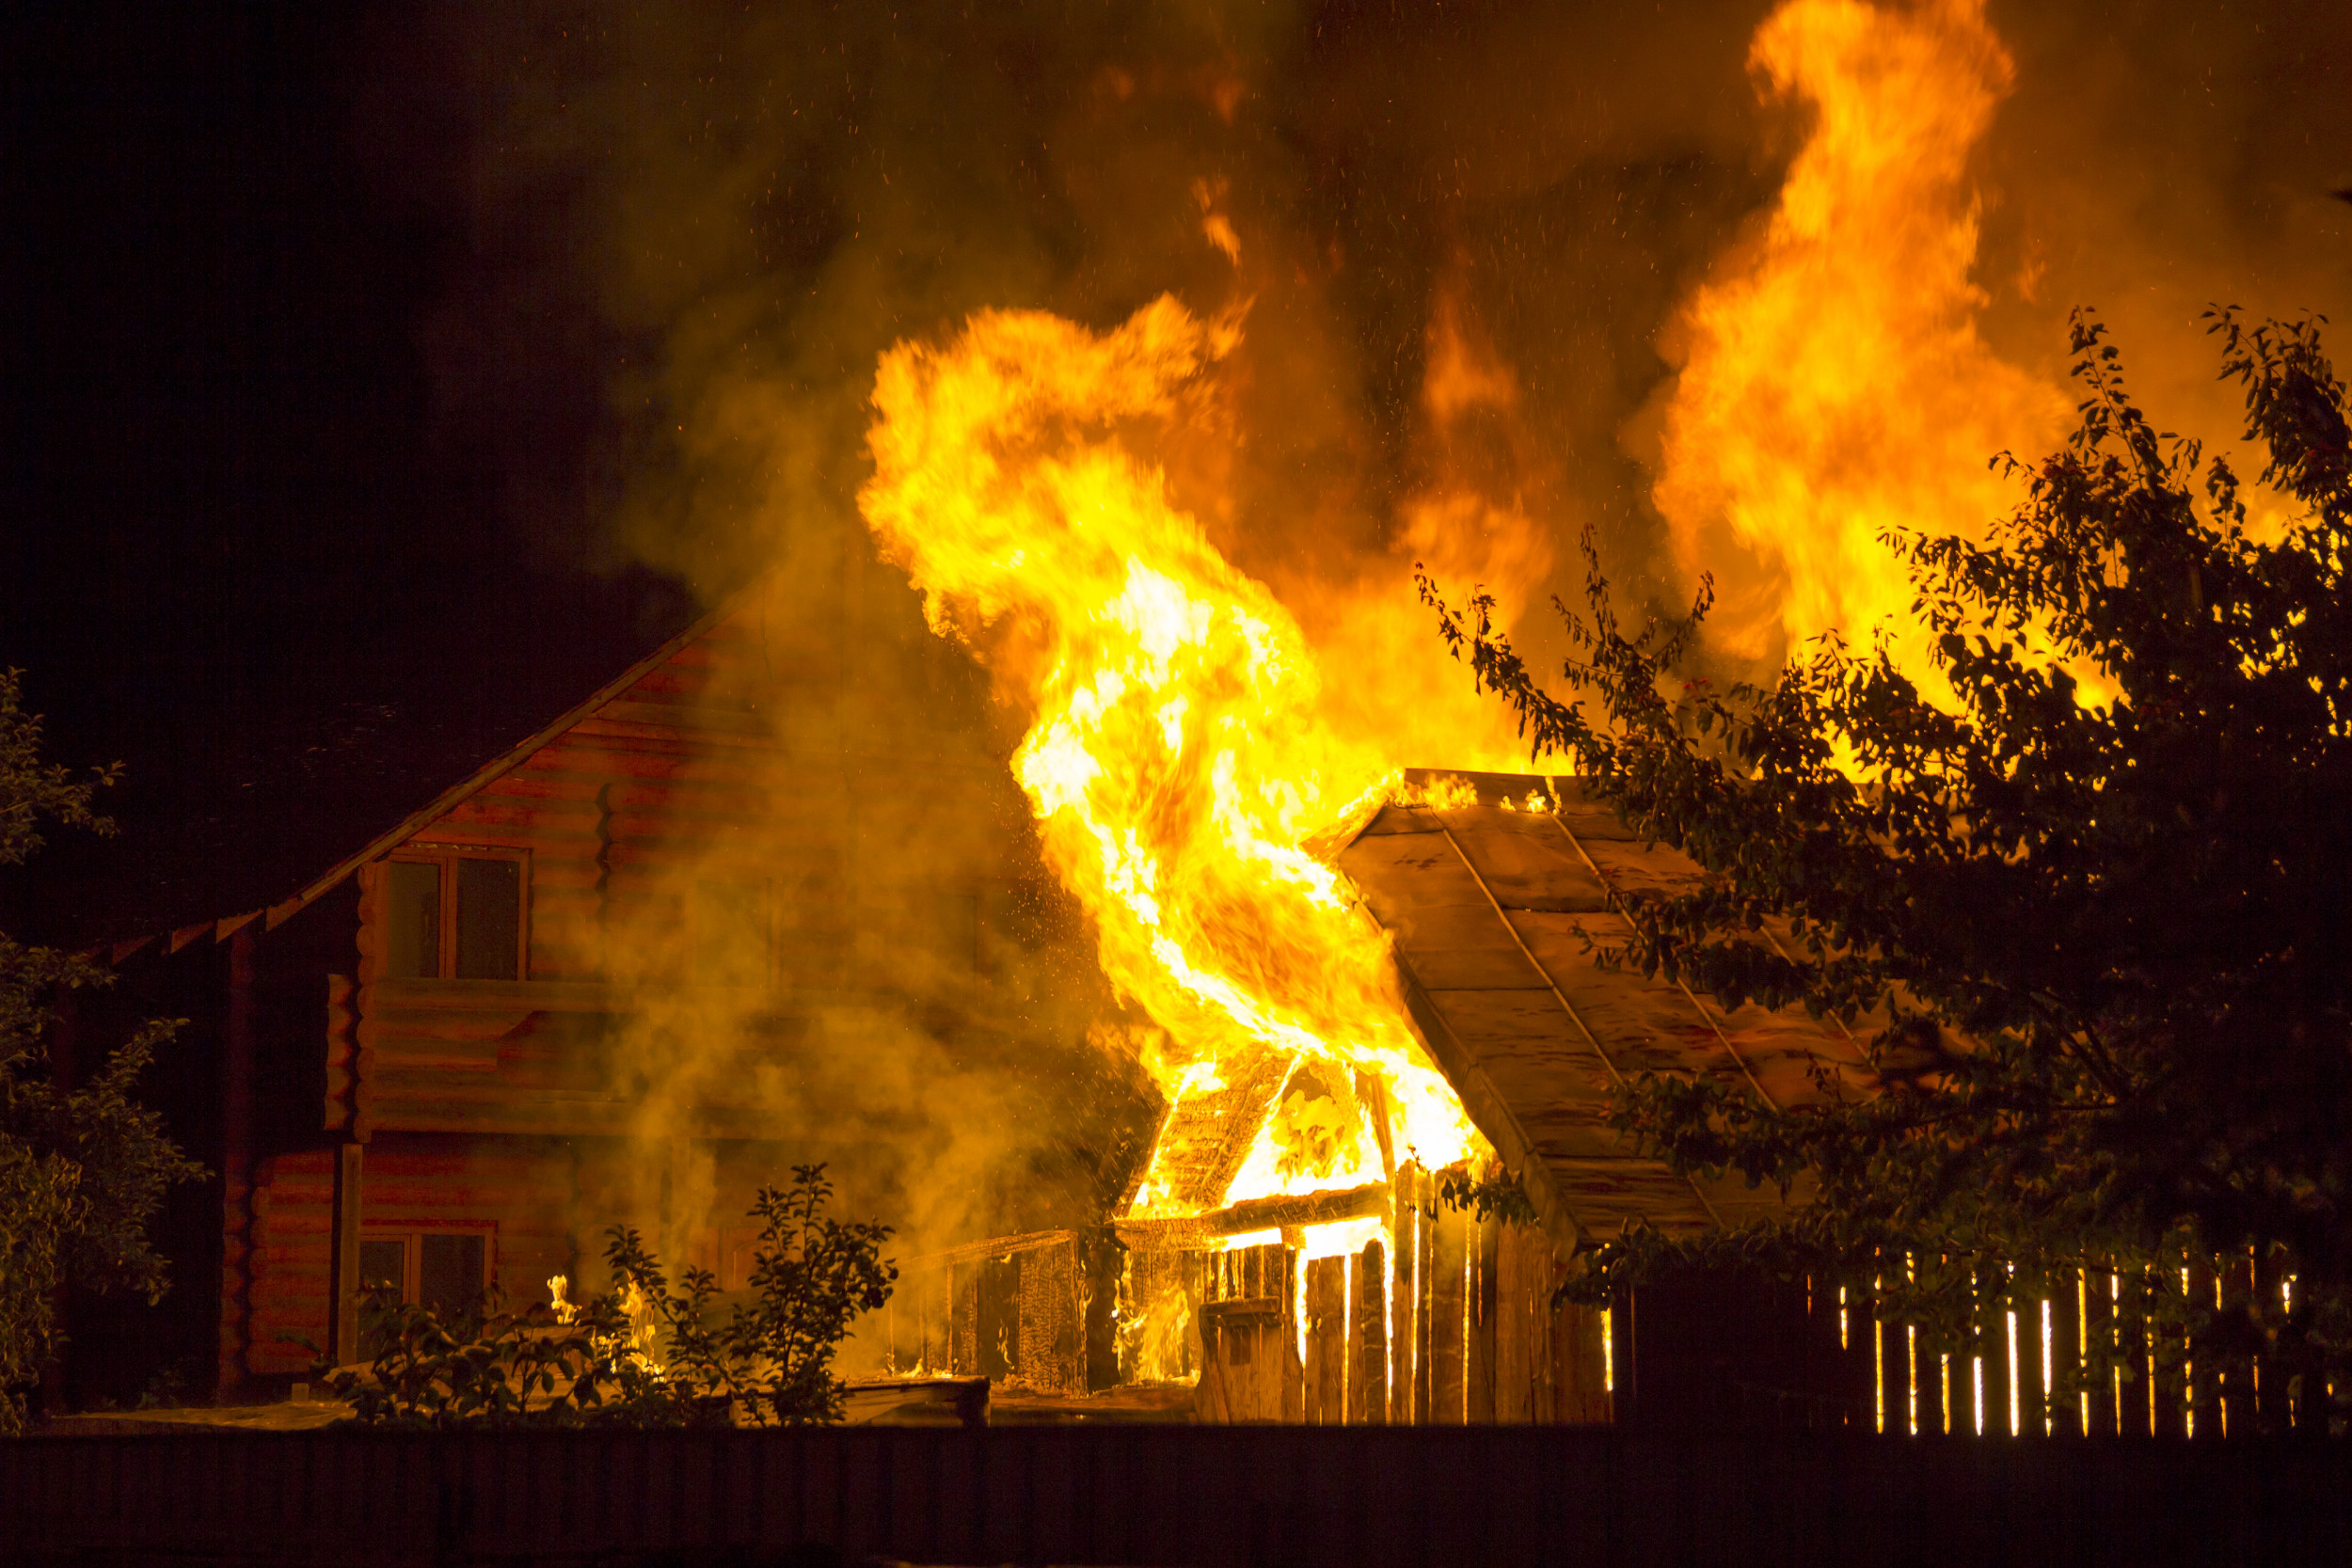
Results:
<point x="2135" y="1415"/>
<point x="1326" y="1370"/>
<point x="1368" y="1376"/>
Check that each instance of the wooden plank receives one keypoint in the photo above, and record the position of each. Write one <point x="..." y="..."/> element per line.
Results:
<point x="1326" y="1358"/>
<point x="1929" y="1378"/>
<point x="1292" y="1292"/>
<point x="1485" y="1238"/>
<point x="1513" y="1320"/>
<point x="2271" y="1412"/>
<point x="1425" y="1276"/>
<point x="1580" y="1392"/>
<point x="2233" y="1284"/>
<point x="1051" y="1325"/>
<point x="999" y="1321"/>
<point x="2066" y="1307"/>
<point x="1894" y="1365"/>
<point x="1999" y="1349"/>
<point x="2189" y="1390"/>
<point x="2099" y="1342"/>
<point x="1368" y="1376"/>
<point x="1448" y="1336"/>
<point x="2033" y="1405"/>
<point x="1404" y="1297"/>
<point x="1262" y="1214"/>
<point x="1241" y="1343"/>
<point x="2131" y="1335"/>
<point x="1861" y="1342"/>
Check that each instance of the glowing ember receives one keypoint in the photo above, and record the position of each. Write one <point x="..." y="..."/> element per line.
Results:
<point x="1179" y="762"/>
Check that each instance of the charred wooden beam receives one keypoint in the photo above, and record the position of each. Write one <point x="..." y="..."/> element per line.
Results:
<point x="994" y="1246"/>
<point x="1257" y="1214"/>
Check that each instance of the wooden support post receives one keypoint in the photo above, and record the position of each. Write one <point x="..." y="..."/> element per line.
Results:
<point x="1448" y="1308"/>
<point x="342" y="1340"/>
<point x="1368" y="1383"/>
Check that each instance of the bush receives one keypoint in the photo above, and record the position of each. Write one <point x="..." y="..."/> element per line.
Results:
<point x="642" y="1355"/>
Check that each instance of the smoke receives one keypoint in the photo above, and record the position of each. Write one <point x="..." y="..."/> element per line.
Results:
<point x="1461" y="243"/>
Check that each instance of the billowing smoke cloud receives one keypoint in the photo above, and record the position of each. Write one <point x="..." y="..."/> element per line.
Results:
<point x="1460" y="242"/>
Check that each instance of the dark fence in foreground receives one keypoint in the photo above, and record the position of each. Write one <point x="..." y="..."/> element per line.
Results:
<point x="1363" y="1497"/>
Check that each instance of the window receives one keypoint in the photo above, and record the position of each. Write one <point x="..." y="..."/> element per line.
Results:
<point x="444" y="1270"/>
<point x="454" y="914"/>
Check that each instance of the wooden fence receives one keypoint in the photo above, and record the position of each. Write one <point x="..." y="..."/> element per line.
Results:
<point x="1364" y="1497"/>
<point x="2029" y="1379"/>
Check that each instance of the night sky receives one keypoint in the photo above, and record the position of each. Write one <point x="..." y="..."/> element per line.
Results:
<point x="244" y="552"/>
<point x="350" y="348"/>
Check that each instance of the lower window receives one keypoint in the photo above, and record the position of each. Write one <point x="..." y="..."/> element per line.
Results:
<point x="444" y="1270"/>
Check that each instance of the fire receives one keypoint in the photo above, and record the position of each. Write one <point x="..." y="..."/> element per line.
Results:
<point x="1835" y="385"/>
<point x="1180" y="762"/>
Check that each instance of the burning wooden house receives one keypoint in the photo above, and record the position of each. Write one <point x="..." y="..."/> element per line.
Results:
<point x="456" y="1056"/>
<point x="1284" y="1256"/>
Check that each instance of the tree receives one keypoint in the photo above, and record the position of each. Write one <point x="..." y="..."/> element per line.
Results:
<point x="2084" y="913"/>
<point x="82" y="1169"/>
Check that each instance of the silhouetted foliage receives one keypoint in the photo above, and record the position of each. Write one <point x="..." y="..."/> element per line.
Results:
<point x="83" y="1168"/>
<point x="2083" y="911"/>
<point x="643" y="1355"/>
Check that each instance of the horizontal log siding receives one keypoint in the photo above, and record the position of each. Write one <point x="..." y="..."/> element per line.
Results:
<point x="522" y="1196"/>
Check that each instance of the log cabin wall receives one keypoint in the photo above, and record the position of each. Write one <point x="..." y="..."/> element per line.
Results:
<point x="679" y="809"/>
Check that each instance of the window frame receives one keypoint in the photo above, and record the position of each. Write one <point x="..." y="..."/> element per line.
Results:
<point x="411" y="1240"/>
<point x="446" y="856"/>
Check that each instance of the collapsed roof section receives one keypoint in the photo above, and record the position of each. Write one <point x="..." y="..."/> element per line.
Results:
<point x="1495" y="906"/>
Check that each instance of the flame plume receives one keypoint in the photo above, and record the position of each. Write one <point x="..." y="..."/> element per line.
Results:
<point x="1179" y="763"/>
<point x="1836" y="385"/>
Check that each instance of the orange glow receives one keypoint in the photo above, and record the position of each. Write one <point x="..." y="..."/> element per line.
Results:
<point x="1835" y="384"/>
<point x="1179" y="760"/>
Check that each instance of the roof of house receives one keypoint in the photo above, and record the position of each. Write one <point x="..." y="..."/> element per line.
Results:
<point x="1494" y="909"/>
<point x="295" y="898"/>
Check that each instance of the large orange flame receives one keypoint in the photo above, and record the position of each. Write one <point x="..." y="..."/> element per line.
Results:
<point x="1180" y="763"/>
<point x="1835" y="385"/>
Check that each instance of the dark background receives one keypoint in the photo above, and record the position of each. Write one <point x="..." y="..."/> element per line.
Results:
<point x="239" y="551"/>
<point x="360" y="358"/>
